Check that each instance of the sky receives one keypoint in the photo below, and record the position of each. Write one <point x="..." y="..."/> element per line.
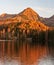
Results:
<point x="44" y="8"/>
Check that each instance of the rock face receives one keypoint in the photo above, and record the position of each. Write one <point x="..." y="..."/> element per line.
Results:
<point x="28" y="18"/>
<point x="5" y="16"/>
<point x="49" y="21"/>
<point x="30" y="14"/>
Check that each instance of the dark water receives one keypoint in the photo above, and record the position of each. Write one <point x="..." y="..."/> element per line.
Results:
<point x="25" y="53"/>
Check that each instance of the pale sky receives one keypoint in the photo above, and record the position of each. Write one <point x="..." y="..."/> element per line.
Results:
<point x="44" y="8"/>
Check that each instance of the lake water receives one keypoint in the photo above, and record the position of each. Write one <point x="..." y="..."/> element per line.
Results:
<point x="25" y="53"/>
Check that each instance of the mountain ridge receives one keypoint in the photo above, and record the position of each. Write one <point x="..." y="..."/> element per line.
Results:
<point x="28" y="17"/>
<point x="48" y="21"/>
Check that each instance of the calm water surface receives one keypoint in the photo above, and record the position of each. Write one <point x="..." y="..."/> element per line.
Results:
<point x="25" y="53"/>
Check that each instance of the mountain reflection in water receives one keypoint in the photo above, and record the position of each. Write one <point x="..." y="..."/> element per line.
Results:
<point x="23" y="53"/>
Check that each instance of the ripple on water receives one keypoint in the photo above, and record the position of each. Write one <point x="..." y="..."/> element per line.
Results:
<point x="46" y="61"/>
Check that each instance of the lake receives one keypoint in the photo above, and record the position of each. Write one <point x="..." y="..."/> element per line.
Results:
<point x="14" y="52"/>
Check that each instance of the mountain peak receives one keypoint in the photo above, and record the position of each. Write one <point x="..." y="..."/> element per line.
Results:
<point x="52" y="17"/>
<point x="4" y="14"/>
<point x="30" y="14"/>
<point x="30" y="9"/>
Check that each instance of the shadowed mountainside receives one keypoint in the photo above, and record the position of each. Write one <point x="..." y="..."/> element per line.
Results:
<point x="48" y="21"/>
<point x="5" y="16"/>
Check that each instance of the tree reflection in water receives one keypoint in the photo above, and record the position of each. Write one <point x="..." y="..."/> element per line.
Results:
<point x="23" y="52"/>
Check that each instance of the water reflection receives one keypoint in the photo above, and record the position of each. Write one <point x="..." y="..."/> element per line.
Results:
<point x="23" y="52"/>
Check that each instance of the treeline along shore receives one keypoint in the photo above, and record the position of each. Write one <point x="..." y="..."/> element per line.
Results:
<point x="10" y="32"/>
